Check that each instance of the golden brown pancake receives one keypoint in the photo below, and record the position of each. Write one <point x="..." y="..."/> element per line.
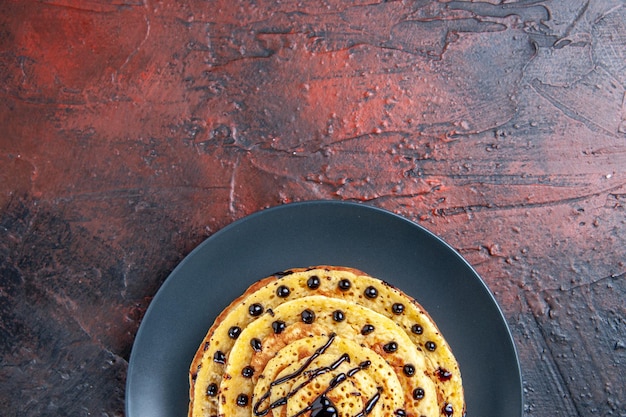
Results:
<point x="324" y="341"/>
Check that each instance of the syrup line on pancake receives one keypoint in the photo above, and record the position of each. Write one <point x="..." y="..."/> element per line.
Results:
<point x="337" y="379"/>
<point x="286" y="378"/>
<point x="312" y="375"/>
<point x="340" y="378"/>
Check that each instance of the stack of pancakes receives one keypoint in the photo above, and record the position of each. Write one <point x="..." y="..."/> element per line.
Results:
<point x="324" y="342"/>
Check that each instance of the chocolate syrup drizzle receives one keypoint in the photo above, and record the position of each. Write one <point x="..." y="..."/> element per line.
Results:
<point x="321" y="406"/>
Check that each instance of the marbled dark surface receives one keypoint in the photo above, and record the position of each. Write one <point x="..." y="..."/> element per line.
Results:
<point x="132" y="130"/>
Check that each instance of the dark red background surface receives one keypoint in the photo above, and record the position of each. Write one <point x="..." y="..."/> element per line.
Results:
<point x="130" y="131"/>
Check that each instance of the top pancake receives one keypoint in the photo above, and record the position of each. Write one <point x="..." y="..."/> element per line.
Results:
<point x="217" y="386"/>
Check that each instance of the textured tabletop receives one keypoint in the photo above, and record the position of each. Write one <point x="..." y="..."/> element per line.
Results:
<point x="131" y="130"/>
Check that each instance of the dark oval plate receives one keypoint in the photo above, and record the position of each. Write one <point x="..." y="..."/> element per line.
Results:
<point x="373" y="240"/>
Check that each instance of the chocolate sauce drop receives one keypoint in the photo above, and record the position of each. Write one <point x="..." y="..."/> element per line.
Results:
<point x="418" y="393"/>
<point x="247" y="372"/>
<point x="338" y="315"/>
<point x="344" y="284"/>
<point x="390" y="347"/>
<point x="281" y="274"/>
<point x="323" y="407"/>
<point x="234" y="332"/>
<point x="211" y="390"/>
<point x="219" y="357"/>
<point x="283" y="291"/>
<point x="408" y="369"/>
<point x="367" y="329"/>
<point x="255" y="309"/>
<point x="242" y="400"/>
<point x="443" y="374"/>
<point x="256" y="344"/>
<point x="371" y="292"/>
<point x="279" y="326"/>
<point x="397" y="308"/>
<point x="308" y="316"/>
<point x="313" y="282"/>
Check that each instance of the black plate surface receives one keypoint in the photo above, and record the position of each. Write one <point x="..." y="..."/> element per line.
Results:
<point x="378" y="242"/>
